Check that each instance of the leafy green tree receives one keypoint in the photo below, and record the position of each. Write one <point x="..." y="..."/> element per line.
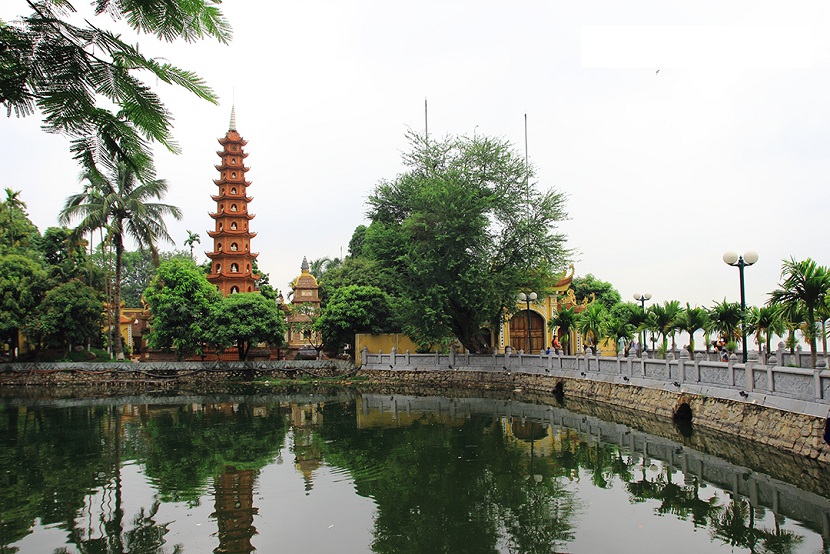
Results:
<point x="690" y="321"/>
<point x="246" y="319"/>
<point x="459" y="232"/>
<point x="591" y="323"/>
<point x="22" y="284"/>
<point x="805" y="287"/>
<point x="65" y="255"/>
<point x="138" y="269"/>
<point x="83" y="79"/>
<point x="70" y="314"/>
<point x="350" y="310"/>
<point x="355" y="270"/>
<point x="357" y="241"/>
<point x="20" y="231"/>
<point x="180" y="299"/>
<point x="602" y="291"/>
<point x="565" y="321"/>
<point x="120" y="205"/>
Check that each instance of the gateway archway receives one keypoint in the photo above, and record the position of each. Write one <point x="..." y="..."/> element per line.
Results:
<point x="519" y="332"/>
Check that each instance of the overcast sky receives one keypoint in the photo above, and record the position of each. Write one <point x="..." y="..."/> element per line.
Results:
<point x="678" y="130"/>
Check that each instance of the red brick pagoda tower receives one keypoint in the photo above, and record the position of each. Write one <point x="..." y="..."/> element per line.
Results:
<point x="231" y="261"/>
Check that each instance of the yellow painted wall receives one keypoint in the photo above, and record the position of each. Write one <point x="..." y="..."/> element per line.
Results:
<point x="385" y="342"/>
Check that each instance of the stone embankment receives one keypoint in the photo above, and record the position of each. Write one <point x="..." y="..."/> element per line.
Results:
<point x="797" y="433"/>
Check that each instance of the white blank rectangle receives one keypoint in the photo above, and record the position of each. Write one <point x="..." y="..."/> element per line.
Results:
<point x="696" y="46"/>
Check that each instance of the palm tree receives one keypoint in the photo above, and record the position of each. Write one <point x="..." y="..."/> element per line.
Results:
<point x="651" y="324"/>
<point x="805" y="286"/>
<point x="591" y="323"/>
<point x="726" y="318"/>
<point x="191" y="239"/>
<point x="823" y="312"/>
<point x="320" y="266"/>
<point x="618" y="329"/>
<point x="13" y="202"/>
<point x="765" y="322"/>
<point x="692" y="320"/>
<point x="662" y="319"/>
<point x="119" y="205"/>
<point x="565" y="321"/>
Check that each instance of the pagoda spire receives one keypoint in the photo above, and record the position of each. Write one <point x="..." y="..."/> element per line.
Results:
<point x="232" y="126"/>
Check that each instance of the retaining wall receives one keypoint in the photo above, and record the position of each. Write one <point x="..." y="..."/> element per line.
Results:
<point x="783" y="407"/>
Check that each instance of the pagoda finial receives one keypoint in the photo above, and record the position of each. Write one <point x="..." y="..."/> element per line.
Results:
<point x="305" y="267"/>
<point x="233" y="119"/>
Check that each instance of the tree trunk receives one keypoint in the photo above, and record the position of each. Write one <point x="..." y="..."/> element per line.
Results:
<point x="118" y="346"/>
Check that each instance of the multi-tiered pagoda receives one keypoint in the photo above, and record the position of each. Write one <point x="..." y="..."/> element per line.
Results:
<point x="231" y="261"/>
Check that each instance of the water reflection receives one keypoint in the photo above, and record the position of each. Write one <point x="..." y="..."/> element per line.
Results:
<point x="441" y="475"/>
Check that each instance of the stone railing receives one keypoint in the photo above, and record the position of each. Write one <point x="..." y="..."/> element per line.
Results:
<point x="774" y="384"/>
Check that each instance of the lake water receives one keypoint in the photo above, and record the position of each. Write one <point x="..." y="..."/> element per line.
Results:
<point x="343" y="472"/>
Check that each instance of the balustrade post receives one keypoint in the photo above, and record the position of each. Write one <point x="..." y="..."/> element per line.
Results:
<point x="749" y="373"/>
<point x="698" y="358"/>
<point x="394" y="361"/>
<point x="779" y="355"/>
<point x="681" y="365"/>
<point x="452" y="357"/>
<point x="669" y="360"/>
<point x="364" y="356"/>
<point x="817" y="380"/>
<point x="730" y="368"/>
<point x="408" y="362"/>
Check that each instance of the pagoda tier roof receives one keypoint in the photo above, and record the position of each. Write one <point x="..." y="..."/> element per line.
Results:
<point x="229" y="138"/>
<point x="225" y="181"/>
<point x="246" y="215"/>
<point x="232" y="233"/>
<point x="231" y="254"/>
<point x="240" y="153"/>
<point x="229" y="276"/>
<point x="218" y="197"/>
<point x="242" y="168"/>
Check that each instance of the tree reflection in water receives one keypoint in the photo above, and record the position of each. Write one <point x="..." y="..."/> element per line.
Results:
<point x="439" y="482"/>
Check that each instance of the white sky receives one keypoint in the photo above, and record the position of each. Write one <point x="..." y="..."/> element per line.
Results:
<point x="725" y="148"/>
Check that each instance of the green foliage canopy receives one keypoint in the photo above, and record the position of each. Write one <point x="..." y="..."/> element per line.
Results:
<point x="22" y="285"/>
<point x="69" y="314"/>
<point x="180" y="299"/>
<point x="353" y="309"/>
<point x="85" y="80"/>
<point x="245" y="319"/>
<point x="604" y="291"/>
<point x="459" y="233"/>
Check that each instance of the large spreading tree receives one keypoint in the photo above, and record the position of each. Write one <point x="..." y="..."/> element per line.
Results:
<point x="86" y="80"/>
<point x="460" y="232"/>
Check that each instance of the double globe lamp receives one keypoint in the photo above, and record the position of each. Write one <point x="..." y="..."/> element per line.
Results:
<point x="733" y="259"/>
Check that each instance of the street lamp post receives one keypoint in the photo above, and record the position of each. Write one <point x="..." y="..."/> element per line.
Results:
<point x="641" y="298"/>
<point x="749" y="258"/>
<point x="528" y="298"/>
